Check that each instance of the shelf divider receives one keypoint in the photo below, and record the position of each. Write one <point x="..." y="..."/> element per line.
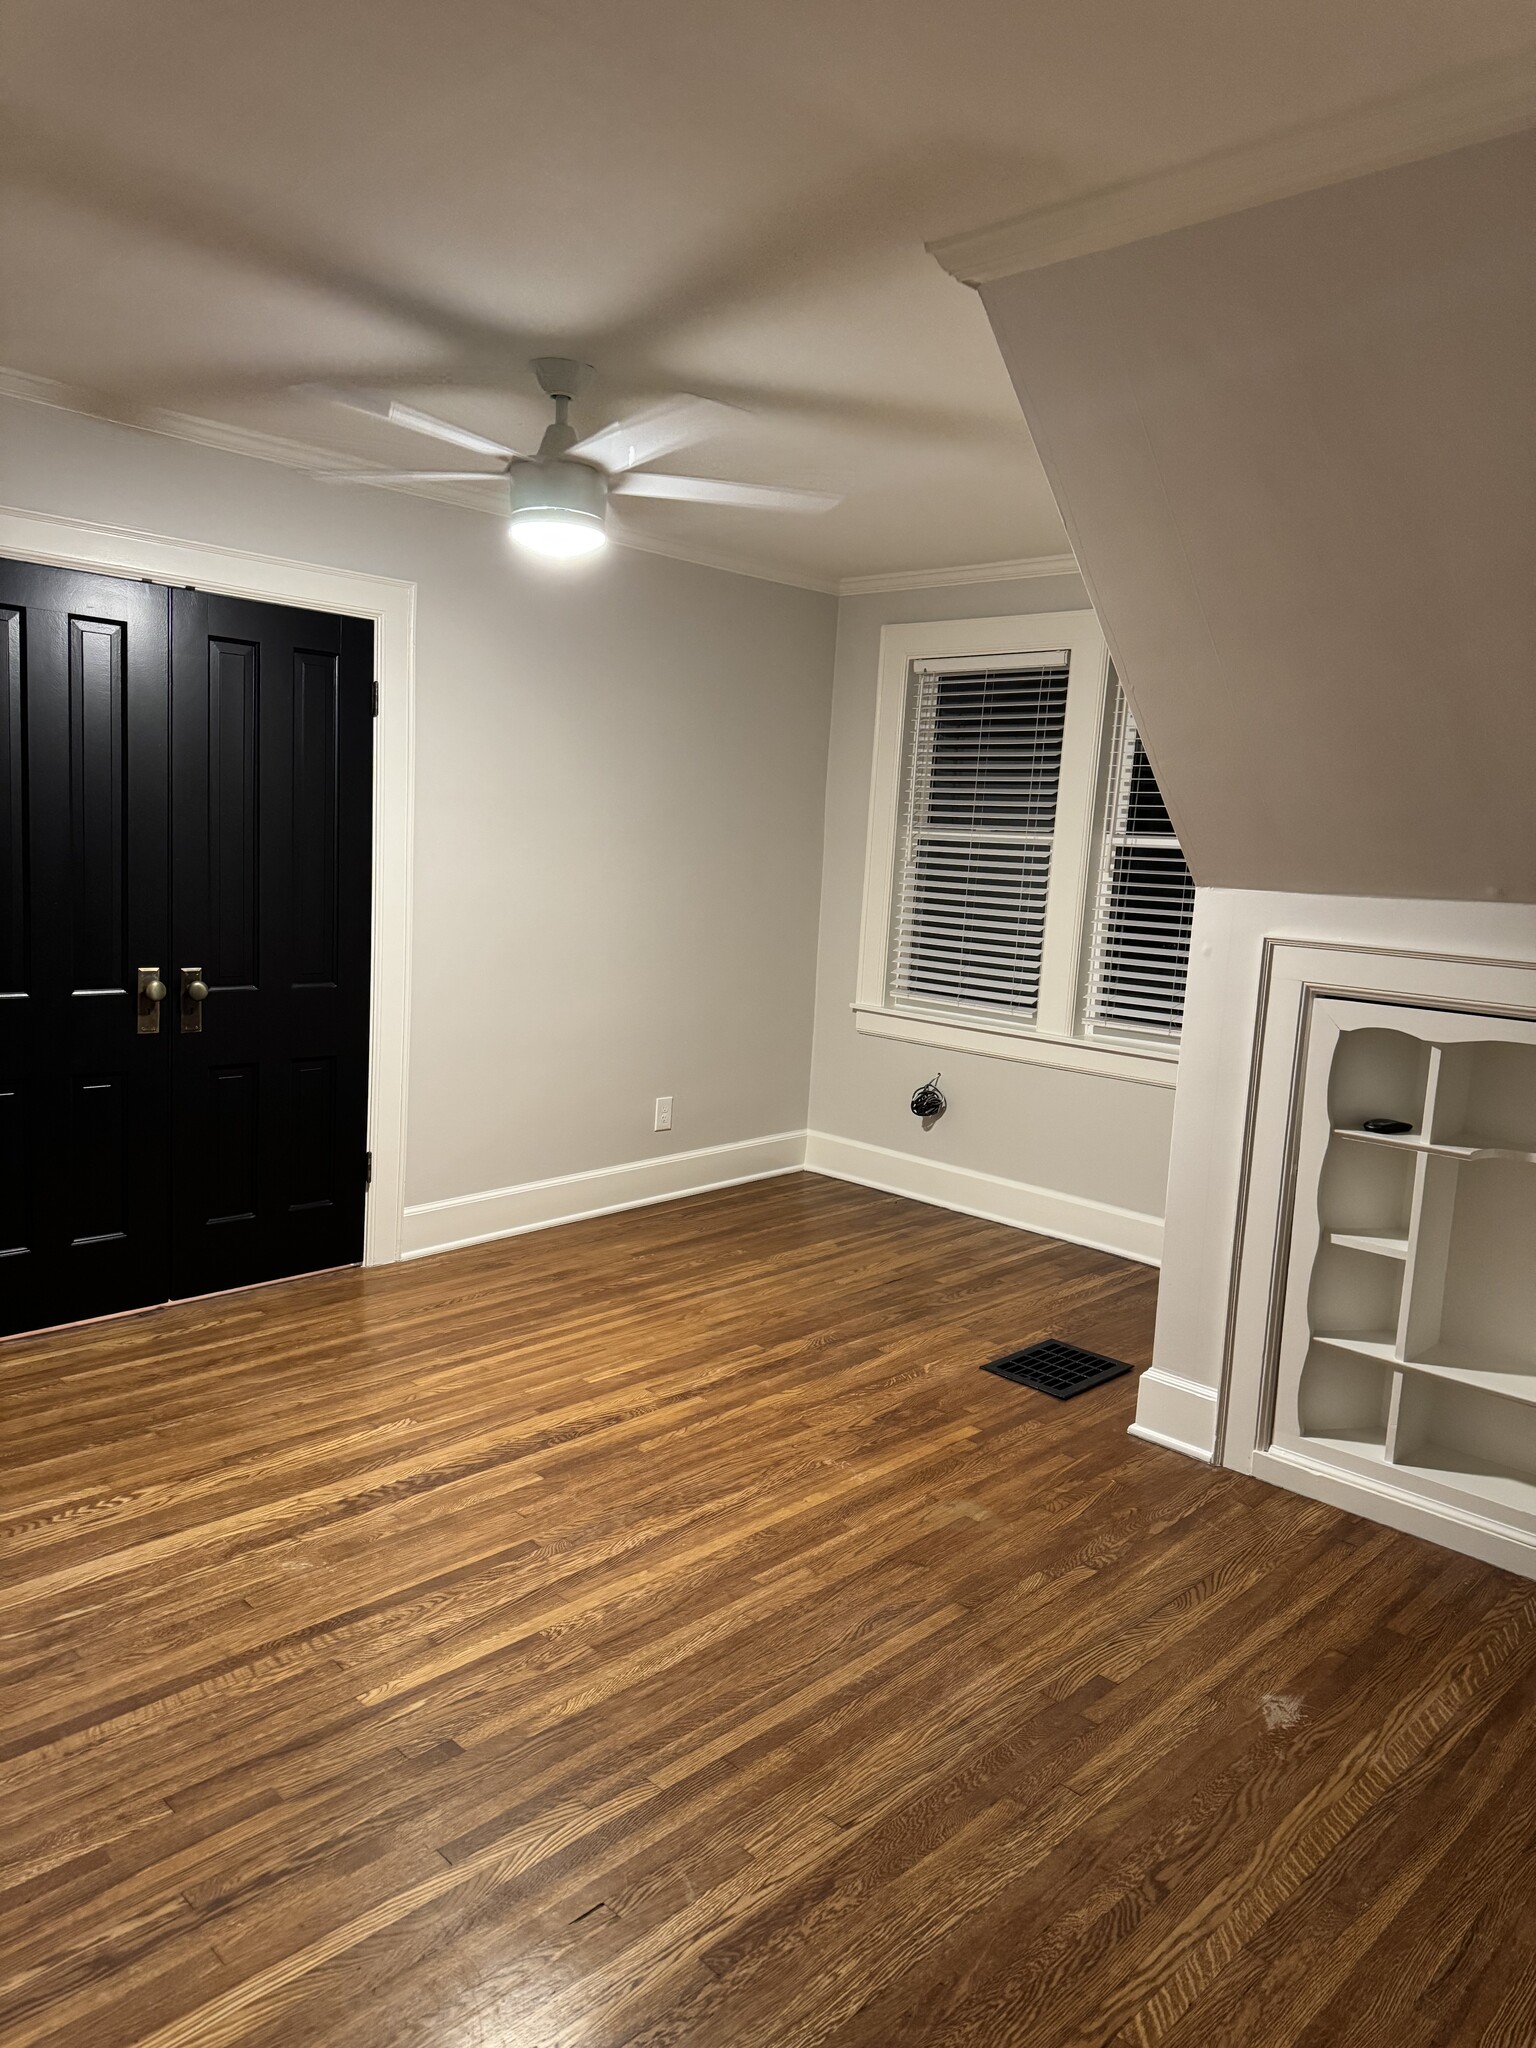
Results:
<point x="1394" y="1416"/>
<point x="1378" y="1344"/>
<point x="1385" y="1244"/>
<point x="1416" y="1142"/>
<point x="1429" y="1237"/>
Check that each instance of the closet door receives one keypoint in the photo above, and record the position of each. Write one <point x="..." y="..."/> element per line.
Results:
<point x="272" y="754"/>
<point x="84" y="1057"/>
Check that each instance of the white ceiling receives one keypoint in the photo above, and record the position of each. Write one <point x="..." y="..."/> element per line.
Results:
<point x="207" y="204"/>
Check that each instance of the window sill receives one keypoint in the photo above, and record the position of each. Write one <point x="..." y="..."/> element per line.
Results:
<point x="1157" y="1069"/>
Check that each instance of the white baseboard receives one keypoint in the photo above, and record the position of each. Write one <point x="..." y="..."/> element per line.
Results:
<point x="1462" y="1529"/>
<point x="1179" y="1414"/>
<point x="537" y="1204"/>
<point x="1127" y="1232"/>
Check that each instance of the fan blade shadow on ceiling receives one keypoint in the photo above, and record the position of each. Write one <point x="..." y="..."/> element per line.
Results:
<point x="122" y="191"/>
<point x="889" y="206"/>
<point x="893" y="205"/>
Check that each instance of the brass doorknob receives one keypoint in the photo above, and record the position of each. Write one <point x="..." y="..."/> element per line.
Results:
<point x="152" y="994"/>
<point x="194" y="993"/>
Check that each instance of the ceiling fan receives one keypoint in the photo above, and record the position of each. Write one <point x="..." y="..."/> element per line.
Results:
<point x="559" y="497"/>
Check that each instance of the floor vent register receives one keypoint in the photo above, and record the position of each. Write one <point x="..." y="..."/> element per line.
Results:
<point x="1058" y="1369"/>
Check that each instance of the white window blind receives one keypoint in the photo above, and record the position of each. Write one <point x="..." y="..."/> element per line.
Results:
<point x="1143" y="904"/>
<point x="978" y="814"/>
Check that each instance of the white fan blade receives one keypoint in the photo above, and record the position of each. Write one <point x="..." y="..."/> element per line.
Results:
<point x="379" y="406"/>
<point x="709" y="490"/>
<point x="646" y="435"/>
<point x="409" y="476"/>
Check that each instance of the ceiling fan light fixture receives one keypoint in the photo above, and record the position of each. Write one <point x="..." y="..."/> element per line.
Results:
<point x="558" y="508"/>
<point x="557" y="536"/>
<point x="559" y="497"/>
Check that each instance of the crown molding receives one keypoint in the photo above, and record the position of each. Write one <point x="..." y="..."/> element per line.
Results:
<point x="1452" y="112"/>
<point x="1020" y="571"/>
<point x="183" y="426"/>
<point x="304" y="455"/>
<point x="252" y="442"/>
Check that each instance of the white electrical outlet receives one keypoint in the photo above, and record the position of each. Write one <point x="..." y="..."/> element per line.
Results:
<point x="663" y="1112"/>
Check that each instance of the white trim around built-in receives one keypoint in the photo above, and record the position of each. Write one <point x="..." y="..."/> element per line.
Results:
<point x="391" y="606"/>
<point x="1458" y="1528"/>
<point x="1477" y="104"/>
<point x="1177" y="1413"/>
<point x="568" y="1197"/>
<point x="1128" y="1233"/>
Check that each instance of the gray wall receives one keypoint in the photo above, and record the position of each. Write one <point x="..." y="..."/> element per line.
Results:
<point x="1099" y="1139"/>
<point x="619" y="786"/>
<point x="627" y="828"/>
<point x="1296" y="452"/>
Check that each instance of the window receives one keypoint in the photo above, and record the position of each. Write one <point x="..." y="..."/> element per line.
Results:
<point x="1025" y="895"/>
<point x="979" y="813"/>
<point x="1143" y="904"/>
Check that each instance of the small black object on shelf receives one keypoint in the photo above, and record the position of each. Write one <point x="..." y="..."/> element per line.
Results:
<point x="1058" y="1369"/>
<point x="1386" y="1126"/>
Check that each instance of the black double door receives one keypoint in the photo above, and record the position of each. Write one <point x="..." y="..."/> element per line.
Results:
<point x="185" y="901"/>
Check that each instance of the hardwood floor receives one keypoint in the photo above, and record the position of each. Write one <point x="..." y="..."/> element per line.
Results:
<point x="657" y="1631"/>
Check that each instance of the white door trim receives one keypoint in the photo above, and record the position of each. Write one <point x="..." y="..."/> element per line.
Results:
<point x="391" y="605"/>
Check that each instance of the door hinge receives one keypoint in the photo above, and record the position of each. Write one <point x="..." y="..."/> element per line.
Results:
<point x="375" y="700"/>
<point x="367" y="1169"/>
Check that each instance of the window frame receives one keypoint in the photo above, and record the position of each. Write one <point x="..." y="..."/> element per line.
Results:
<point x="1056" y="1038"/>
<point x="1122" y="736"/>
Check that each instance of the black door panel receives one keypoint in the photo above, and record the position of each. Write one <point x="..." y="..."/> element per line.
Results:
<point x="84" y="1096"/>
<point x="185" y="786"/>
<point x="272" y="756"/>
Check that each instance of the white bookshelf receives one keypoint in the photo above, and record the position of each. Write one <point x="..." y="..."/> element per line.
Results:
<point x="1407" y="1352"/>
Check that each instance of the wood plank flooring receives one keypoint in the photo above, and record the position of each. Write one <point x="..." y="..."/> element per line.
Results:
<point x="658" y="1632"/>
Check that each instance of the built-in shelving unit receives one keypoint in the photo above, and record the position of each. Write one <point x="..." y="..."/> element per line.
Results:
<point x="1407" y="1353"/>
